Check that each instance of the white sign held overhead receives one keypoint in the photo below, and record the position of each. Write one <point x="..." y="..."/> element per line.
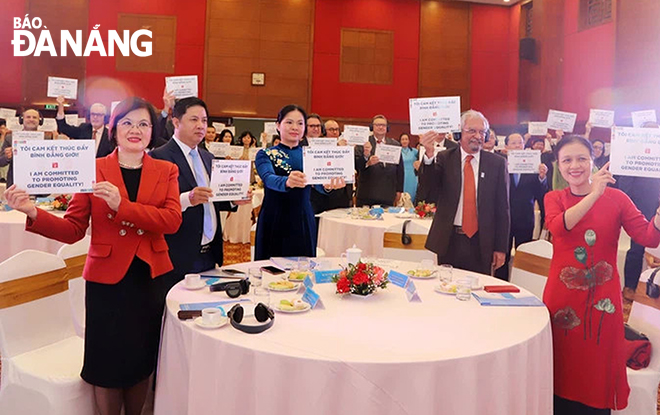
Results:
<point x="635" y="152"/>
<point x="560" y="120"/>
<point x="641" y="117"/>
<point x="537" y="128"/>
<point x="182" y="86"/>
<point x="356" y="135"/>
<point x="601" y="118"/>
<point x="62" y="86"/>
<point x="440" y="114"/>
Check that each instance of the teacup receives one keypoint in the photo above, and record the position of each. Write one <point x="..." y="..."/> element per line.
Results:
<point x="352" y="255"/>
<point x="193" y="280"/>
<point x="211" y="316"/>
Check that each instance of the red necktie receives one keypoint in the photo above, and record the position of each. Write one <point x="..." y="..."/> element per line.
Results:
<point x="470" y="224"/>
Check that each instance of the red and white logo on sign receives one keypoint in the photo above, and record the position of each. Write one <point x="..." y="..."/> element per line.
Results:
<point x="329" y="163"/>
<point x="647" y="151"/>
<point x="55" y="165"/>
<point x="435" y="114"/>
<point x="231" y="179"/>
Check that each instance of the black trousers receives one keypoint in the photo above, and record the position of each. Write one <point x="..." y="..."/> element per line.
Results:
<point x="567" y="407"/>
<point x="465" y="253"/>
<point x="521" y="236"/>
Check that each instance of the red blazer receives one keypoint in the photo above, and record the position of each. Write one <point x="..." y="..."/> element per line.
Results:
<point x="137" y="228"/>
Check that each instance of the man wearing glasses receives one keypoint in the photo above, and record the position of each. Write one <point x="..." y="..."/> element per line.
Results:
<point x="470" y="229"/>
<point x="95" y="129"/>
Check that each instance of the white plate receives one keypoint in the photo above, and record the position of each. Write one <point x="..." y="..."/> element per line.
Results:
<point x="307" y="308"/>
<point x="283" y="290"/>
<point x="199" y="286"/>
<point x="295" y="280"/>
<point x="428" y="277"/>
<point x="200" y="323"/>
<point x="442" y="290"/>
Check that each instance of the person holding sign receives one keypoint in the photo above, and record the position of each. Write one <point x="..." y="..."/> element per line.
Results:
<point x="524" y="190"/>
<point x="286" y="221"/>
<point x="134" y="203"/>
<point x="209" y="137"/>
<point x="378" y="183"/>
<point x="238" y="224"/>
<point x="197" y="244"/>
<point x="466" y="234"/>
<point x="427" y="191"/>
<point x="95" y="129"/>
<point x="583" y="293"/>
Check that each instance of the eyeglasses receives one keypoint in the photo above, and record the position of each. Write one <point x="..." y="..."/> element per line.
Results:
<point x="332" y="129"/>
<point x="128" y="125"/>
<point x="472" y="131"/>
<point x="380" y="125"/>
<point x="96" y="114"/>
<point x="313" y="125"/>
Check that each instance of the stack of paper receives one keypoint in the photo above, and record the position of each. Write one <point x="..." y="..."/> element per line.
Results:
<point x="507" y="299"/>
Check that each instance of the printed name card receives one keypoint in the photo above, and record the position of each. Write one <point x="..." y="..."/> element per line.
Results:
<point x="356" y="135"/>
<point x="641" y="117"/>
<point x="411" y="293"/>
<point x="325" y="276"/>
<point x="54" y="166"/>
<point x="322" y="141"/>
<point x="388" y="153"/>
<point x="62" y="86"/>
<point x="537" y="128"/>
<point x="635" y="152"/>
<point x="440" y="114"/>
<point x="182" y="86"/>
<point x="218" y="149"/>
<point x="399" y="279"/>
<point x="307" y="282"/>
<point x="230" y="180"/>
<point x="524" y="161"/>
<point x="312" y="298"/>
<point x="601" y="118"/>
<point x="560" y="120"/>
<point x="321" y="164"/>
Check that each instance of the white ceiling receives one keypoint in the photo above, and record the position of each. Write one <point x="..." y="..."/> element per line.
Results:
<point x="498" y="2"/>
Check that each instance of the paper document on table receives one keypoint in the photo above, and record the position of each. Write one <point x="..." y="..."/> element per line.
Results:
<point x="507" y="299"/>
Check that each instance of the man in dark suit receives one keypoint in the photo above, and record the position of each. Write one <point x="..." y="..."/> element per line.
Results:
<point x="377" y="183"/>
<point x="426" y="191"/>
<point x="524" y="189"/>
<point x="95" y="129"/>
<point x="470" y="229"/>
<point x="197" y="245"/>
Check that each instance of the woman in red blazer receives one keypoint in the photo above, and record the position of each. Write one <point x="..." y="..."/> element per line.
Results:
<point x="134" y="203"/>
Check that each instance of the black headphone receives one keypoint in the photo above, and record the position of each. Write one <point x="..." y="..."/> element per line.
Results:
<point x="652" y="289"/>
<point x="233" y="288"/>
<point x="261" y="312"/>
<point x="405" y="238"/>
<point x="41" y="117"/>
<point x="458" y="134"/>
<point x="378" y="117"/>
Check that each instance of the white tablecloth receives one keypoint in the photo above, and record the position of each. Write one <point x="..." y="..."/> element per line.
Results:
<point x="338" y="232"/>
<point x="380" y="355"/>
<point x="16" y="239"/>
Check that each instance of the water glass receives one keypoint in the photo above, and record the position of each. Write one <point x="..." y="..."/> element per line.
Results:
<point x="446" y="273"/>
<point x="261" y="295"/>
<point x="303" y="264"/>
<point x="255" y="277"/>
<point x="426" y="265"/>
<point x="464" y="289"/>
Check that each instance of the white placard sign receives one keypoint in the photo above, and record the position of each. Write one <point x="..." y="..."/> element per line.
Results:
<point x="113" y="105"/>
<point x="601" y="118"/>
<point x="387" y="153"/>
<point x="218" y="149"/>
<point x="560" y="120"/>
<point x="81" y="121"/>
<point x="524" y="161"/>
<point x="440" y="114"/>
<point x="356" y="135"/>
<point x="537" y="128"/>
<point x="7" y="113"/>
<point x="635" y="152"/>
<point x="253" y="152"/>
<point x="55" y="166"/>
<point x="322" y="141"/>
<point x="640" y="117"/>
<point x="321" y="164"/>
<point x="230" y="179"/>
<point x="232" y="129"/>
<point x="235" y="152"/>
<point x="182" y="86"/>
<point x="50" y="124"/>
<point x="270" y="128"/>
<point x="13" y="124"/>
<point x="27" y="135"/>
<point x="71" y="119"/>
<point x="62" y="86"/>
<point x="218" y="127"/>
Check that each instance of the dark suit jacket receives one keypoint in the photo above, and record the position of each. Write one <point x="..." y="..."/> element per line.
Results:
<point x="492" y="202"/>
<point x="84" y="132"/>
<point x="427" y="190"/>
<point x="136" y="229"/>
<point x="185" y="243"/>
<point x="378" y="184"/>
<point x="521" y="199"/>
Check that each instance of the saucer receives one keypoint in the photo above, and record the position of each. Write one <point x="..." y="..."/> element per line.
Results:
<point x="199" y="321"/>
<point x="294" y="311"/>
<point x="199" y="286"/>
<point x="443" y="289"/>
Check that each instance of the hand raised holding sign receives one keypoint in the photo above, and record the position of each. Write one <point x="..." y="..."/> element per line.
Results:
<point x="296" y="179"/>
<point x="601" y="179"/>
<point x="428" y="140"/>
<point x="108" y="192"/>
<point x="20" y="200"/>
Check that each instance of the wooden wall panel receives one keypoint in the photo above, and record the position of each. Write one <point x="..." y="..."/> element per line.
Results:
<point x="269" y="36"/>
<point x="163" y="30"/>
<point x="444" y="50"/>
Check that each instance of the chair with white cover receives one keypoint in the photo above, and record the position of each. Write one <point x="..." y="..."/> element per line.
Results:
<point x="644" y="317"/>
<point x="531" y="265"/>
<point x="74" y="256"/>
<point x="41" y="354"/>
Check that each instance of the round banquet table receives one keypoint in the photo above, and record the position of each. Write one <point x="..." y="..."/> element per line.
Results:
<point x="380" y="355"/>
<point x="17" y="239"/>
<point x="377" y="238"/>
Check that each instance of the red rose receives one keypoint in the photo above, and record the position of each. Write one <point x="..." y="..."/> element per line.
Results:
<point x="361" y="266"/>
<point x="360" y="278"/>
<point x="343" y="285"/>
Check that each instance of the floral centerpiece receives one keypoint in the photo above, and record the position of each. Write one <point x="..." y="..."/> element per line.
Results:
<point x="360" y="279"/>
<point x="61" y="202"/>
<point x="425" y="210"/>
